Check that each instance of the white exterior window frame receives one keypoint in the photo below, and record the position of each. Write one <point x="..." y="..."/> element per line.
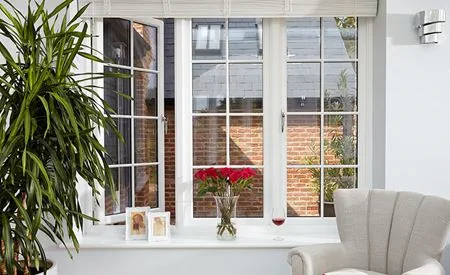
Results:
<point x="274" y="79"/>
<point x="97" y="44"/>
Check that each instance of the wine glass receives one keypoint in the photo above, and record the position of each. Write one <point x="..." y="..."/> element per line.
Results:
<point x="278" y="218"/>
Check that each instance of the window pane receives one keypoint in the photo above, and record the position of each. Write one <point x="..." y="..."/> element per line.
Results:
<point x="303" y="192"/>
<point x="341" y="37"/>
<point x="112" y="86"/>
<point x="209" y="141"/>
<point x="303" y="87"/>
<point x="340" y="87"/>
<point x="122" y="180"/>
<point x="246" y="88"/>
<point x="145" y="47"/>
<point x="245" y="39"/>
<point x="340" y="134"/>
<point x="116" y="41"/>
<point x="336" y="178"/>
<point x="204" y="206"/>
<point x="303" y="38"/>
<point x="145" y="94"/>
<point x="119" y="152"/>
<point x="303" y="140"/>
<point x="250" y="203"/>
<point x="146" y="140"/>
<point x="146" y="186"/>
<point x="208" y="88"/>
<point x="246" y="140"/>
<point x="208" y="39"/>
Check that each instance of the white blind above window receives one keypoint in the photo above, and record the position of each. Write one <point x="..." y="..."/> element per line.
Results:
<point x="229" y="8"/>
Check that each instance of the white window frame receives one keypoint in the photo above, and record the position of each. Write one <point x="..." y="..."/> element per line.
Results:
<point x="97" y="44"/>
<point x="362" y="166"/>
<point x="274" y="79"/>
<point x="228" y="114"/>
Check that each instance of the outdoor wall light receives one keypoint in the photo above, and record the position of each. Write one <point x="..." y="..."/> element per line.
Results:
<point x="430" y="25"/>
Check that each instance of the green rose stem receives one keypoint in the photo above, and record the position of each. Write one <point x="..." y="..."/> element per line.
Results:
<point x="226" y="206"/>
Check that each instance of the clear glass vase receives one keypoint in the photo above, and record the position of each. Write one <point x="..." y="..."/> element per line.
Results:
<point x="226" y="215"/>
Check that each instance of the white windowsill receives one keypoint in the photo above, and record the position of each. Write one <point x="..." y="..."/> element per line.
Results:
<point x="101" y="237"/>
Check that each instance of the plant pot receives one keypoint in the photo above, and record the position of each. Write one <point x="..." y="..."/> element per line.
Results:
<point x="52" y="268"/>
<point x="328" y="209"/>
<point x="226" y="215"/>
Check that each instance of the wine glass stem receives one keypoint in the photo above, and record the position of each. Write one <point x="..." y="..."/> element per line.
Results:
<point x="278" y="236"/>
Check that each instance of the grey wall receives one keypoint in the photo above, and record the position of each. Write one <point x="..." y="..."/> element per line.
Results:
<point x="417" y="98"/>
<point x="411" y="96"/>
<point x="379" y="96"/>
<point x="187" y="261"/>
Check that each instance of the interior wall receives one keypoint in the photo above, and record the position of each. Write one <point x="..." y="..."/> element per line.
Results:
<point x="174" y="261"/>
<point x="379" y="97"/>
<point x="411" y="96"/>
<point x="417" y="97"/>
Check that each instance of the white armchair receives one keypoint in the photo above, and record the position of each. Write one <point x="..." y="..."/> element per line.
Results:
<point x="382" y="232"/>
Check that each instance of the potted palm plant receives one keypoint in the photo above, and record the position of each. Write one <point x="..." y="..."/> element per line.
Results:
<point x="48" y="118"/>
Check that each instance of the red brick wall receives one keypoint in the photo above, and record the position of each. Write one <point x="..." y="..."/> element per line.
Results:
<point x="303" y="144"/>
<point x="301" y="198"/>
<point x="169" y="166"/>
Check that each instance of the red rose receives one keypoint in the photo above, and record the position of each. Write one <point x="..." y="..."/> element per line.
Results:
<point x="235" y="176"/>
<point x="201" y="175"/>
<point x="251" y="171"/>
<point x="212" y="172"/>
<point x="248" y="173"/>
<point x="226" y="172"/>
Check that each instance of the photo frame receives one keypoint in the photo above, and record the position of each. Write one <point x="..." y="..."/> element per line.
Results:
<point x="136" y="223"/>
<point x="159" y="226"/>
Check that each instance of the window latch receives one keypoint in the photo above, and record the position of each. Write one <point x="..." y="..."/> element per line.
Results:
<point x="283" y="120"/>
<point x="166" y="124"/>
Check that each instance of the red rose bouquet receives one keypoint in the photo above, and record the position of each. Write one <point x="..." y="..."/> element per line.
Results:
<point x="224" y="181"/>
<point x="225" y="184"/>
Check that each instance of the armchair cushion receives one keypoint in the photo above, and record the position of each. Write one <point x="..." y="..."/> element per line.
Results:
<point x="433" y="267"/>
<point x="351" y="271"/>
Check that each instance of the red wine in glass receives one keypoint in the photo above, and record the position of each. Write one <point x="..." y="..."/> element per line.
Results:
<point x="278" y="221"/>
<point x="278" y="218"/>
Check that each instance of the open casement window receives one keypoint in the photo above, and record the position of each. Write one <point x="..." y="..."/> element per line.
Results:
<point x="287" y="97"/>
<point x="135" y="48"/>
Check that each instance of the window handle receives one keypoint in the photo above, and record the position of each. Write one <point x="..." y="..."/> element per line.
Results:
<point x="166" y="124"/>
<point x="283" y="120"/>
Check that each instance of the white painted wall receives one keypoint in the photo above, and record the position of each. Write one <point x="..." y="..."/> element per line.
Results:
<point x="417" y="102"/>
<point x="174" y="262"/>
<point x="379" y="97"/>
<point x="412" y="95"/>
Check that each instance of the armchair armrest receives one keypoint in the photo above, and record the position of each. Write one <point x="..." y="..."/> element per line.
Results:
<point x="432" y="267"/>
<point x="317" y="259"/>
